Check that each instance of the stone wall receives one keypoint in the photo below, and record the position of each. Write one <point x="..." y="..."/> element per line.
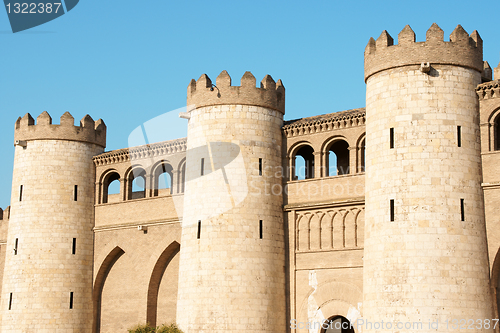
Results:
<point x="135" y="275"/>
<point x="489" y="100"/>
<point x="137" y="236"/>
<point x="426" y="264"/>
<point x="46" y="219"/>
<point x="4" y="228"/>
<point x="232" y="272"/>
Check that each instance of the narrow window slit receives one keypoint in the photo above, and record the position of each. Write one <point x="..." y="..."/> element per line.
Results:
<point x="459" y="136"/>
<point x="71" y="300"/>
<point x="10" y="301"/>
<point x="21" y="193"/>
<point x="392" y="210"/>
<point x="75" y="193"/>
<point x="73" y="251"/>
<point x="261" y="231"/>
<point x="15" y="246"/>
<point x="462" y="209"/>
<point x="260" y="166"/>
<point x="199" y="230"/>
<point x="202" y="166"/>
<point x="391" y="134"/>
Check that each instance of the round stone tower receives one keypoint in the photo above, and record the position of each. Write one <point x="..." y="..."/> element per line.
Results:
<point x="425" y="256"/>
<point x="47" y="282"/>
<point x="231" y="274"/>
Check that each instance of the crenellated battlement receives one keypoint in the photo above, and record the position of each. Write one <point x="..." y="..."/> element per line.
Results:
<point x="5" y="214"/>
<point x="89" y="130"/>
<point x="202" y="93"/>
<point x="462" y="50"/>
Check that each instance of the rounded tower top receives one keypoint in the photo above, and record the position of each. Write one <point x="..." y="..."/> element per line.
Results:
<point x="462" y="50"/>
<point x="89" y="130"/>
<point x="202" y="93"/>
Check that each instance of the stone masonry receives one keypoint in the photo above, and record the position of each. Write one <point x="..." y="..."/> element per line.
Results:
<point x="256" y="224"/>
<point x="232" y="258"/>
<point x="428" y="261"/>
<point x="48" y="268"/>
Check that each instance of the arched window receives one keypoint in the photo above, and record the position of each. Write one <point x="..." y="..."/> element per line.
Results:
<point x="136" y="184"/>
<point x="114" y="187"/>
<point x="363" y="156"/>
<point x="111" y="188"/>
<point x="338" y="158"/>
<point x="163" y="179"/>
<point x="337" y="324"/>
<point x="497" y="133"/>
<point x="304" y="163"/>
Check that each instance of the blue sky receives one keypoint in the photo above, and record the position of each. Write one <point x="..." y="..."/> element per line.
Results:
<point x="128" y="62"/>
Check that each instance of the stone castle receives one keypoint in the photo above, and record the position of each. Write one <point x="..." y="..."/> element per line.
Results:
<point x="265" y="225"/>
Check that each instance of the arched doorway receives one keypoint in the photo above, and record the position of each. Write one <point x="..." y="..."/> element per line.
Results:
<point x="337" y="324"/>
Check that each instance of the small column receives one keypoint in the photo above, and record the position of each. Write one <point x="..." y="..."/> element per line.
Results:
<point x="319" y="168"/>
<point x="290" y="173"/>
<point x="175" y="182"/>
<point x="182" y="180"/>
<point x="149" y="185"/>
<point x="326" y="163"/>
<point x="492" y="136"/>
<point x="123" y="189"/>
<point x="98" y="193"/>
<point x="353" y="160"/>
<point x="487" y="136"/>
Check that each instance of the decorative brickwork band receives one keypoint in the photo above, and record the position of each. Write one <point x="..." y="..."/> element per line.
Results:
<point x="140" y="152"/>
<point x="318" y="124"/>
<point x="488" y="90"/>
<point x="462" y="50"/>
<point x="88" y="131"/>
<point x="270" y="95"/>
